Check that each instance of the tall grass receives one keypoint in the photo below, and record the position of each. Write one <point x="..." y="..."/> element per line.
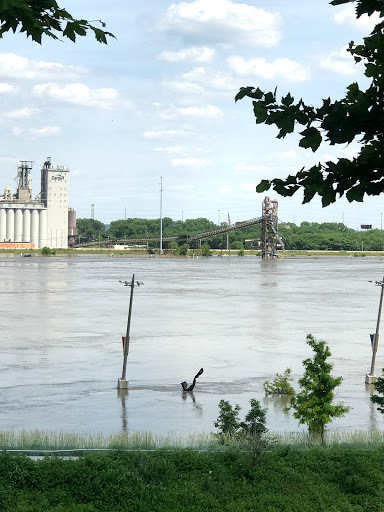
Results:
<point x="43" y="440"/>
<point x="356" y="439"/>
<point x="39" y="440"/>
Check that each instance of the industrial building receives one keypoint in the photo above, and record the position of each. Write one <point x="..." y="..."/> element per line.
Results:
<point x="47" y="220"/>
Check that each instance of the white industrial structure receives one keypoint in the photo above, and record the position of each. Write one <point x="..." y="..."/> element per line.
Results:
<point x="39" y="222"/>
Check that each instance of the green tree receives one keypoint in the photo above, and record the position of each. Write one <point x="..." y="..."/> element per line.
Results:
<point x="280" y="385"/>
<point x="173" y="247"/>
<point x="237" y="245"/>
<point x="379" y="387"/>
<point x="356" y="117"/>
<point x="90" y="229"/>
<point x="205" y="250"/>
<point x="228" y="420"/>
<point x="250" y="434"/>
<point x="36" y="18"/>
<point x="183" y="250"/>
<point x="313" y="405"/>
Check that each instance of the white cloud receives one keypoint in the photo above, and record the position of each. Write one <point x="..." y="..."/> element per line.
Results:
<point x="286" y="69"/>
<point x="170" y="149"/>
<point x="36" y="133"/>
<point x="190" y="162"/>
<point x="347" y="16"/>
<point x="14" y="66"/>
<point x="200" y="80"/>
<point x="6" y="88"/>
<point x="249" y="187"/>
<point x="77" y="94"/>
<point x="194" y="54"/>
<point x="243" y="168"/>
<point x="21" y="113"/>
<point x="223" y="21"/>
<point x="225" y="190"/>
<point x="162" y="134"/>
<point x="290" y="154"/>
<point x="340" y="62"/>
<point x="207" y="112"/>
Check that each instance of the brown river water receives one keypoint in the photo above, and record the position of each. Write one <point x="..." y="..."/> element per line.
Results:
<point x="241" y="319"/>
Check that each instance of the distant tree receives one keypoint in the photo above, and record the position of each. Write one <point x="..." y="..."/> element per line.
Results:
<point x="36" y="18"/>
<point x="356" y="117"/>
<point x="313" y="405"/>
<point x="90" y="229"/>
<point x="183" y="250"/>
<point x="173" y="246"/>
<point x="237" y="245"/>
<point x="205" y="250"/>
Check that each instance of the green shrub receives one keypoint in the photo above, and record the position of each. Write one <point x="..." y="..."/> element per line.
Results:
<point x="250" y="434"/>
<point x="183" y="250"/>
<point x="205" y="250"/>
<point x="280" y="385"/>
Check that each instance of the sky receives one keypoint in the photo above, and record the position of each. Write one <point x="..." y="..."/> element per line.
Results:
<point x="158" y="101"/>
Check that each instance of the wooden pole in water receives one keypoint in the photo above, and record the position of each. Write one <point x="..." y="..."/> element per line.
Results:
<point x="371" y="378"/>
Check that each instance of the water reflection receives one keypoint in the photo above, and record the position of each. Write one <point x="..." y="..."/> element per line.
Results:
<point x="189" y="396"/>
<point x="122" y="394"/>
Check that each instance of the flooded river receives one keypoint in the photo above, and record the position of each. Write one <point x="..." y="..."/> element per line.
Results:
<point x="241" y="319"/>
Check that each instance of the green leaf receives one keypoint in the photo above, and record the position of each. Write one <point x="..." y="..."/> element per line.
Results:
<point x="287" y="100"/>
<point x="263" y="186"/>
<point x="251" y="92"/>
<point x="311" y="139"/>
<point x="269" y="98"/>
<point x="340" y="2"/>
<point x="355" y="194"/>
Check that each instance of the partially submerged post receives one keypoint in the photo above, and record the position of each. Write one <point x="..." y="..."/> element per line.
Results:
<point x="184" y="384"/>
<point x="123" y="383"/>
<point x="371" y="377"/>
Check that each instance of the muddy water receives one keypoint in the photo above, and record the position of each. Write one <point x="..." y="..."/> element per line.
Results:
<point x="242" y="319"/>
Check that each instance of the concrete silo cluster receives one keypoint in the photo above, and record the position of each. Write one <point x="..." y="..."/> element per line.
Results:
<point x="46" y="220"/>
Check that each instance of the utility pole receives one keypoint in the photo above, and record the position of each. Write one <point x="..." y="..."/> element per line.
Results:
<point x="161" y="215"/>
<point x="218" y="218"/>
<point x="123" y="383"/>
<point x="182" y="216"/>
<point x="92" y="211"/>
<point x="381" y="222"/>
<point x="371" y="377"/>
<point x="125" y="213"/>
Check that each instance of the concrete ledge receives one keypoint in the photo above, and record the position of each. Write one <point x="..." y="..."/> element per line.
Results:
<point x="370" y="379"/>
<point x="122" y="384"/>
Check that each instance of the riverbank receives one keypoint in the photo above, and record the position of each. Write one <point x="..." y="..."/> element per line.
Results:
<point x="191" y="253"/>
<point x="284" y="478"/>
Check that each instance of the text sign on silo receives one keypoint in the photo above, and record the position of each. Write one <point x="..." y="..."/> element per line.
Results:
<point x="366" y="226"/>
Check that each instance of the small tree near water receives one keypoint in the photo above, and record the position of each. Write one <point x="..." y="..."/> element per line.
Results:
<point x="280" y="385"/>
<point x="313" y="405"/>
<point x="376" y="399"/>
<point x="205" y="250"/>
<point x="250" y="434"/>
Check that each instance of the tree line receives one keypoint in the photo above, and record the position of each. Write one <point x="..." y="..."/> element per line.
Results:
<point x="332" y="236"/>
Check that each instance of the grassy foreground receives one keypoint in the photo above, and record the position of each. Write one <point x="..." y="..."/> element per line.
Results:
<point x="286" y="478"/>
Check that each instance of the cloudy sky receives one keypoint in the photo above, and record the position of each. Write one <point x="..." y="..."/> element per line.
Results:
<point x="159" y="101"/>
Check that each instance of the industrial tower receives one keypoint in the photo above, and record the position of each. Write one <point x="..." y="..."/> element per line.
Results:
<point x="269" y="235"/>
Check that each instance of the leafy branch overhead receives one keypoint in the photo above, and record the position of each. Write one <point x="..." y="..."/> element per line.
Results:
<point x="44" y="17"/>
<point x="359" y="116"/>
